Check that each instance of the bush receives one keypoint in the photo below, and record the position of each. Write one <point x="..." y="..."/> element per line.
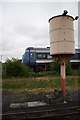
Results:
<point x="14" y="68"/>
<point x="76" y="72"/>
<point x="68" y="69"/>
<point x="55" y="69"/>
<point x="40" y="74"/>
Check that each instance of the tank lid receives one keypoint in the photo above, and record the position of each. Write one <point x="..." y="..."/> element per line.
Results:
<point x="59" y="16"/>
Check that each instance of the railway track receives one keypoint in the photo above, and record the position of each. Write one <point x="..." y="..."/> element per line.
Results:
<point x="62" y="112"/>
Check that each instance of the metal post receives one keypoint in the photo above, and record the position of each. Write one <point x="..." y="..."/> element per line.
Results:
<point x="29" y="57"/>
<point x="63" y="79"/>
<point x="1" y="58"/>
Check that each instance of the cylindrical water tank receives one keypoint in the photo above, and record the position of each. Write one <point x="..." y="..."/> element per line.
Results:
<point x="61" y="35"/>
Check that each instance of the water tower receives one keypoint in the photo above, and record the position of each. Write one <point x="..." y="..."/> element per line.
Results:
<point x="62" y="46"/>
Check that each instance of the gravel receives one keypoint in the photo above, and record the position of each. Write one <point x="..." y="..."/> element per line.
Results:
<point x="53" y="100"/>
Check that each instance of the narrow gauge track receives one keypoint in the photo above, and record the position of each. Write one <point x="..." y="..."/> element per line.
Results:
<point x="71" y="111"/>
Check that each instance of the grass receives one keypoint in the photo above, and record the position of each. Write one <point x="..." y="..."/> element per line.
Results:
<point x="29" y="83"/>
<point x="19" y="88"/>
<point x="39" y="83"/>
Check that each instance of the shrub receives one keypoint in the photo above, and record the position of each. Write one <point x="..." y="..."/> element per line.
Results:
<point x="55" y="69"/>
<point x="14" y="68"/>
<point x="40" y="74"/>
<point x="68" y="69"/>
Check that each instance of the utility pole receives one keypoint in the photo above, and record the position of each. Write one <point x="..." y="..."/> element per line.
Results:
<point x="1" y="68"/>
<point x="1" y="58"/>
<point x="29" y="57"/>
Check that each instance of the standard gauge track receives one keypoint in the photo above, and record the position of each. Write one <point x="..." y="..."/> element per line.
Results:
<point x="63" y="112"/>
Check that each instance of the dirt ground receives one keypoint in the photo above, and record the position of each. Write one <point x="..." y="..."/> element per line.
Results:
<point x="52" y="99"/>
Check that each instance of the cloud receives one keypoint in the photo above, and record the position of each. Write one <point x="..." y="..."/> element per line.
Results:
<point x="26" y="24"/>
<point x="34" y="32"/>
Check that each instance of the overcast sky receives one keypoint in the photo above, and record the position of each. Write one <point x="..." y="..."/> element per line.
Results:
<point x="25" y="24"/>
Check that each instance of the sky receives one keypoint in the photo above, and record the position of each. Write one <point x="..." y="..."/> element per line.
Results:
<point x="25" y="24"/>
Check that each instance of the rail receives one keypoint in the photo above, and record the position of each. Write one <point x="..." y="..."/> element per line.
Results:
<point x="42" y="114"/>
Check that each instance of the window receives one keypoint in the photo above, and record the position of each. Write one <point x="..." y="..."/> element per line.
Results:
<point x="76" y="56"/>
<point x="41" y="56"/>
<point x="48" y="56"/>
<point x="31" y="55"/>
<point x="44" y="56"/>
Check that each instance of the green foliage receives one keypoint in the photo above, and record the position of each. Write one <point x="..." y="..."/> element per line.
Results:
<point x="72" y="82"/>
<point x="25" y="83"/>
<point x="79" y="71"/>
<point x="40" y="74"/>
<point x="68" y="69"/>
<point x="76" y="72"/>
<point x="55" y="69"/>
<point x="14" y="68"/>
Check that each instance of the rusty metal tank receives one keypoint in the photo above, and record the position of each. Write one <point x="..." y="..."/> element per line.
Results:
<point x="62" y="36"/>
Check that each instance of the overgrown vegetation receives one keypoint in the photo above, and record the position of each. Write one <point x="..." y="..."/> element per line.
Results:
<point x="39" y="83"/>
<point x="68" y="69"/>
<point x="55" y="69"/>
<point x="18" y="76"/>
<point x="14" y="68"/>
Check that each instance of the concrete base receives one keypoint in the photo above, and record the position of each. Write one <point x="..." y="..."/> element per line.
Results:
<point x="36" y="104"/>
<point x="27" y="104"/>
<point x="18" y="105"/>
